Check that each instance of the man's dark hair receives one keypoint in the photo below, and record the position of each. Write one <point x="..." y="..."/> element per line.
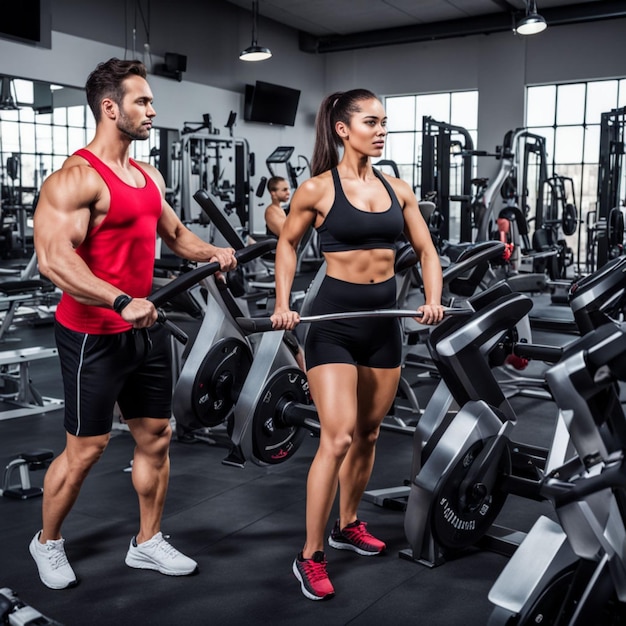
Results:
<point x="273" y="182"/>
<point x="107" y="81"/>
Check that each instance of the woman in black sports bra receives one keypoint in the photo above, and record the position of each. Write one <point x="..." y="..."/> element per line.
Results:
<point x="353" y="366"/>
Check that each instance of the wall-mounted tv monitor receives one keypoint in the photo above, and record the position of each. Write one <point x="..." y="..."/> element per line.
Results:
<point x="270" y="104"/>
<point x="29" y="22"/>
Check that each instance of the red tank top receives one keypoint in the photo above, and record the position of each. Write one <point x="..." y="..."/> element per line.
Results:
<point x="120" y="251"/>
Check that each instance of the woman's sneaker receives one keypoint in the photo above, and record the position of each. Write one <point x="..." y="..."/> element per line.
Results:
<point x="54" y="568"/>
<point x="313" y="577"/>
<point x="159" y="555"/>
<point x="355" y="537"/>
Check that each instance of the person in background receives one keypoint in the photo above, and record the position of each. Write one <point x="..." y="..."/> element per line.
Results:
<point x="353" y="365"/>
<point x="275" y="213"/>
<point x="95" y="232"/>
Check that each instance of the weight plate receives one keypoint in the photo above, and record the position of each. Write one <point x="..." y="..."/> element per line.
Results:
<point x="272" y="444"/>
<point x="219" y="380"/>
<point x="457" y="525"/>
<point x="615" y="227"/>
<point x="569" y="219"/>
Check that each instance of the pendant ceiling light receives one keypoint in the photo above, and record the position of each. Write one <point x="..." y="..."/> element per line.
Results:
<point x="254" y="52"/>
<point x="532" y="23"/>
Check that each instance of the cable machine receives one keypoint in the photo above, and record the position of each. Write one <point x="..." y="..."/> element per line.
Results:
<point x="218" y="164"/>
<point x="446" y="173"/>
<point x="607" y="234"/>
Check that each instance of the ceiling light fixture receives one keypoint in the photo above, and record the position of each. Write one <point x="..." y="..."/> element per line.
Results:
<point x="532" y="23"/>
<point x="254" y="52"/>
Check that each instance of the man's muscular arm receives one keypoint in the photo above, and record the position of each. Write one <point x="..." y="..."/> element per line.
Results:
<point x="61" y="223"/>
<point x="65" y="212"/>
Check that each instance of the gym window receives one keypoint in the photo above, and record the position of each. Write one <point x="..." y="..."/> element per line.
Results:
<point x="404" y="125"/>
<point x="568" y="116"/>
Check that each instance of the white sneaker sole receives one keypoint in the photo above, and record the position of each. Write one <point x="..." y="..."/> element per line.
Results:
<point x="142" y="563"/>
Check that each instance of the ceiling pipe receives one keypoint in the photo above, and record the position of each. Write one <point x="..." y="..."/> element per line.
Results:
<point x="480" y="25"/>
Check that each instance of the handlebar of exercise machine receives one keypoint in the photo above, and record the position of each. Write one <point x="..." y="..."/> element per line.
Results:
<point x="263" y="324"/>
<point x="538" y="352"/>
<point x="179" y="284"/>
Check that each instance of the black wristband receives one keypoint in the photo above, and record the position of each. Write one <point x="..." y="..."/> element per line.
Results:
<point x="121" y="302"/>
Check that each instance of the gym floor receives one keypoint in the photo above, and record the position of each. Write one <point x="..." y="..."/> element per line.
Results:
<point x="243" y="526"/>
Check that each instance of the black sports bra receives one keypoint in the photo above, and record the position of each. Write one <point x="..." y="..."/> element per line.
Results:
<point x="349" y="228"/>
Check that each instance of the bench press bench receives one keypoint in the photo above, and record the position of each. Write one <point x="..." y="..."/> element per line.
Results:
<point x="16" y="386"/>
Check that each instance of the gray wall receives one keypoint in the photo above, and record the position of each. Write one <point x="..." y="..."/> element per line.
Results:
<point x="212" y="32"/>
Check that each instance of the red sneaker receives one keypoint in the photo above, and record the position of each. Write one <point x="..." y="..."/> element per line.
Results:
<point x="313" y="577"/>
<point x="355" y="537"/>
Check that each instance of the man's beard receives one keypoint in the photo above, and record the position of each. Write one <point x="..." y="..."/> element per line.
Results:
<point x="136" y="134"/>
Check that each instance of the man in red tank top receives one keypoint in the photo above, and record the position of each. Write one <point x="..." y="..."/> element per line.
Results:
<point x="95" y="232"/>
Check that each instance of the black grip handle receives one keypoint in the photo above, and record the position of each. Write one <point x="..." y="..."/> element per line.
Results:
<point x="177" y="333"/>
<point x="184" y="281"/>
<point x="255" y="324"/>
<point x="537" y="352"/>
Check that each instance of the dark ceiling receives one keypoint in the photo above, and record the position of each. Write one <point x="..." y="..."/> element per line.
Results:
<point x="334" y="25"/>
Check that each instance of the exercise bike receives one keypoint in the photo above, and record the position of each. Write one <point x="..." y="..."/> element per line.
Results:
<point x="274" y="411"/>
<point x="218" y="362"/>
<point x="273" y="385"/>
<point x="573" y="573"/>
<point x="465" y="465"/>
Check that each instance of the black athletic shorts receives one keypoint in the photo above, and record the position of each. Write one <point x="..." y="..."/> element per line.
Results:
<point x="131" y="368"/>
<point x="372" y="342"/>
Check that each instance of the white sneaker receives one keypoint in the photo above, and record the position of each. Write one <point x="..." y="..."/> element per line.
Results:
<point x="159" y="555"/>
<point x="54" y="569"/>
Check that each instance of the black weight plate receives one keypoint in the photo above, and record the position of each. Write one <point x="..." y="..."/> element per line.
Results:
<point x="456" y="526"/>
<point x="271" y="444"/>
<point x="616" y="227"/>
<point x="219" y="380"/>
<point x="569" y="219"/>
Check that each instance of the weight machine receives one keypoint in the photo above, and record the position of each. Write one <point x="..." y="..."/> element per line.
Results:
<point x="559" y="219"/>
<point x="219" y="164"/>
<point x="606" y="236"/>
<point x="522" y="182"/>
<point x="447" y="150"/>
